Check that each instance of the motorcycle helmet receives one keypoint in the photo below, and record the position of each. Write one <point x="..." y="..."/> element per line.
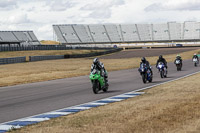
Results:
<point x="96" y="61"/>
<point x="195" y="54"/>
<point x="143" y="59"/>
<point x="160" y="57"/>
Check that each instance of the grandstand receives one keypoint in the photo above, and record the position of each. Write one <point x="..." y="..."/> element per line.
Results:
<point x="191" y="30"/>
<point x="20" y="38"/>
<point x="127" y="33"/>
<point x="160" y="32"/>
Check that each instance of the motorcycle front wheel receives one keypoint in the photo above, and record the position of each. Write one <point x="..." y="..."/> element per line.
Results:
<point x="95" y="87"/>
<point x="144" y="78"/>
<point x="162" y="74"/>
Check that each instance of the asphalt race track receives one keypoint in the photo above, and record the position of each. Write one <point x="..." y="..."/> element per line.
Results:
<point x="30" y="99"/>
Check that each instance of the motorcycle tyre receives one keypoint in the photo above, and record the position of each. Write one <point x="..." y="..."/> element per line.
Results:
<point x="162" y="74"/>
<point x="95" y="87"/>
<point x="150" y="80"/>
<point x="105" y="89"/>
<point x="144" y="78"/>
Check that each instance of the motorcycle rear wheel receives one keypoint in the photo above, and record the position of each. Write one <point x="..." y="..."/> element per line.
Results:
<point x="105" y="89"/>
<point x="150" y="80"/>
<point x="165" y="74"/>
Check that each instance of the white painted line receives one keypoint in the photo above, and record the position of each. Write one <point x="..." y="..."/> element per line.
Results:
<point x="139" y="93"/>
<point x="93" y="103"/>
<point x="8" y="127"/>
<point x="34" y="119"/>
<point x="58" y="113"/>
<point x="168" y="81"/>
<point x="84" y="108"/>
<point x="107" y="99"/>
<point x="135" y="92"/>
<point x="128" y="96"/>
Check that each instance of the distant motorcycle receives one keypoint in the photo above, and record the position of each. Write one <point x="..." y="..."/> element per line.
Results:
<point x="98" y="81"/>
<point x="162" y="69"/>
<point x="196" y="61"/>
<point x="178" y="64"/>
<point x="145" y="73"/>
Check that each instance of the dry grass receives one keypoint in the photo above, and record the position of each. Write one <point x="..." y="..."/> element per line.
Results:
<point x="44" y="52"/>
<point x="29" y="72"/>
<point x="172" y="107"/>
<point x="49" y="42"/>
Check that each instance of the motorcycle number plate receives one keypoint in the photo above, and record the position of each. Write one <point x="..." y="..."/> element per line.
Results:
<point x="177" y="61"/>
<point x="195" y="59"/>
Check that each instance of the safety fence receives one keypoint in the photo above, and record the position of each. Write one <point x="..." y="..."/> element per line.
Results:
<point x="47" y="47"/>
<point x="54" y="57"/>
<point x="48" y="57"/>
<point x="12" y="60"/>
<point x="93" y="54"/>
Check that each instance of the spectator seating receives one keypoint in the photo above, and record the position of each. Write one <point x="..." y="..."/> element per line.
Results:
<point x="127" y="33"/>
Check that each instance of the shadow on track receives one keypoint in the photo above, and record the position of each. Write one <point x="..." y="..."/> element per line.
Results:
<point x="113" y="91"/>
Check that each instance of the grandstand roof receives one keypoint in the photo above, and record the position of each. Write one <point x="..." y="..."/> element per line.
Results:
<point x="18" y="37"/>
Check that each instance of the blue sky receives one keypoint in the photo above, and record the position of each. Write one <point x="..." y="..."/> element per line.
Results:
<point x="40" y="15"/>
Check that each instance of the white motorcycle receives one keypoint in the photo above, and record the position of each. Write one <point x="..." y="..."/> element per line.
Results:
<point x="196" y="61"/>
<point x="162" y="69"/>
<point x="178" y="64"/>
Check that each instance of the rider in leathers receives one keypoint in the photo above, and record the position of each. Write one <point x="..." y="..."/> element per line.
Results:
<point x="178" y="57"/>
<point x="100" y="66"/>
<point x="161" y="59"/>
<point x="144" y="61"/>
<point x="195" y="56"/>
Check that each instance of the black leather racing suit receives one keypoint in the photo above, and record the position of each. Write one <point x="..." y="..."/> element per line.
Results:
<point x="163" y="61"/>
<point x="100" y="66"/>
<point x="148" y="66"/>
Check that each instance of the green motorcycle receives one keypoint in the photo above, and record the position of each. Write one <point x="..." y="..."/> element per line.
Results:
<point x="98" y="81"/>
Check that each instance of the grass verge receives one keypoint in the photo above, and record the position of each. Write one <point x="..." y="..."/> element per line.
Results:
<point x="44" y="52"/>
<point x="171" y="107"/>
<point x="49" y="42"/>
<point x="22" y="73"/>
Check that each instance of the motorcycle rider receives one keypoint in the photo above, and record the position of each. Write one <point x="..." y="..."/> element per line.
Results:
<point x="195" y="56"/>
<point x="100" y="66"/>
<point x="178" y="57"/>
<point x="161" y="59"/>
<point x="144" y="61"/>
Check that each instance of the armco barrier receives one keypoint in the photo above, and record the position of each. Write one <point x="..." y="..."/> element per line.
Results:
<point x="12" y="60"/>
<point x="93" y="54"/>
<point x="48" y="47"/>
<point x="54" y="57"/>
<point x="48" y="57"/>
